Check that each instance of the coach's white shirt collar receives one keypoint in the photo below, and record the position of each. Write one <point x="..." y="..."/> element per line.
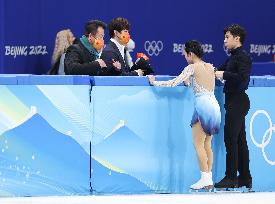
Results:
<point x="120" y="47"/>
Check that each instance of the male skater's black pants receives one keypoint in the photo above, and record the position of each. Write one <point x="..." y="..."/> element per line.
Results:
<point x="237" y="155"/>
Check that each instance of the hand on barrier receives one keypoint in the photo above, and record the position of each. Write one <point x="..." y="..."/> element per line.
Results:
<point x="151" y="79"/>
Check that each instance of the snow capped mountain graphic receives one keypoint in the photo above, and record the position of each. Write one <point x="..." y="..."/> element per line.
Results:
<point x="35" y="159"/>
<point x="124" y="150"/>
<point x="33" y="111"/>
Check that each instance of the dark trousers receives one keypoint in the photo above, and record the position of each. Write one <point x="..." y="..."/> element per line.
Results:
<point x="237" y="155"/>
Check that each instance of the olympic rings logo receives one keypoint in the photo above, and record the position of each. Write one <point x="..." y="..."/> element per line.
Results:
<point x="154" y="47"/>
<point x="267" y="135"/>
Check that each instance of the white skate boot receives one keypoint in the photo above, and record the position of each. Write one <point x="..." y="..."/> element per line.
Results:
<point x="205" y="182"/>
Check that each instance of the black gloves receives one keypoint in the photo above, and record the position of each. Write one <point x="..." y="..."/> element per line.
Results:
<point x="144" y="65"/>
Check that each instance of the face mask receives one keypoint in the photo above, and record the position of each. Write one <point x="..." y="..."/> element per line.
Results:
<point x="130" y="45"/>
<point x="124" y="38"/>
<point x="98" y="44"/>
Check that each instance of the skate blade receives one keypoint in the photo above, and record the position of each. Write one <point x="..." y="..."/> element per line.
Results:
<point x="246" y="190"/>
<point x="205" y="189"/>
<point x="227" y="190"/>
<point x="234" y="190"/>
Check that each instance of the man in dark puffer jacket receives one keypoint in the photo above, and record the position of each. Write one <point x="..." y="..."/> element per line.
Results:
<point x="83" y="58"/>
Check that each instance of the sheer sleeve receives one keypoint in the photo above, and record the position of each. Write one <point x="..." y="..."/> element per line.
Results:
<point x="185" y="74"/>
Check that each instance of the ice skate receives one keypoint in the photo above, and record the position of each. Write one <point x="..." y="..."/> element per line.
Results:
<point x="227" y="185"/>
<point x="245" y="185"/>
<point x="205" y="183"/>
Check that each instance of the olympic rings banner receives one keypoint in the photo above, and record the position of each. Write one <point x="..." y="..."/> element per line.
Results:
<point x="260" y="130"/>
<point x="159" y="29"/>
<point x="266" y="139"/>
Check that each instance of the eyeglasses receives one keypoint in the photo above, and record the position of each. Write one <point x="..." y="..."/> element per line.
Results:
<point x="99" y="36"/>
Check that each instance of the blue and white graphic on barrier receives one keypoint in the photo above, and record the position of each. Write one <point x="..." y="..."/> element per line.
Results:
<point x="145" y="132"/>
<point x="259" y="130"/>
<point x="39" y="129"/>
<point x="266" y="137"/>
<point x="140" y="138"/>
<point x="142" y="131"/>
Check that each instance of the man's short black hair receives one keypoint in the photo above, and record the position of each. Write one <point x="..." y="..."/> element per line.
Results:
<point x="92" y="26"/>
<point x="236" y="30"/>
<point x="118" y="24"/>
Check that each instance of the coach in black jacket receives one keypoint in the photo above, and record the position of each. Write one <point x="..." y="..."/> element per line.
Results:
<point x="83" y="58"/>
<point x="236" y="73"/>
<point x="114" y="54"/>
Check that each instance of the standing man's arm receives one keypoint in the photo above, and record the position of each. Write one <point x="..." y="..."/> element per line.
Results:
<point x="220" y="70"/>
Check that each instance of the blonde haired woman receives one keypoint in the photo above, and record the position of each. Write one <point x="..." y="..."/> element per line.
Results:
<point x="207" y="116"/>
<point x="64" y="39"/>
